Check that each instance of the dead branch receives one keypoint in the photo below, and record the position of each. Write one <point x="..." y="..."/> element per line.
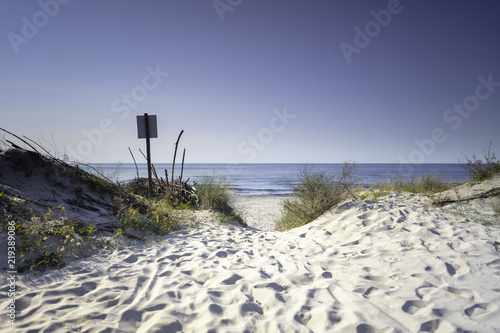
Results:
<point x="175" y="153"/>
<point x="136" y="168"/>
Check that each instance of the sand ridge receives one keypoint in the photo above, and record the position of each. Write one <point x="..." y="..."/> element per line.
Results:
<point x="392" y="265"/>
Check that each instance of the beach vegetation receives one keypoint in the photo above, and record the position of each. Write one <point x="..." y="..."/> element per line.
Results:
<point x="214" y="193"/>
<point x="496" y="207"/>
<point x="158" y="219"/>
<point x="373" y="195"/>
<point x="480" y="169"/>
<point x="48" y="239"/>
<point x="97" y="180"/>
<point x="314" y="194"/>
<point x="428" y="183"/>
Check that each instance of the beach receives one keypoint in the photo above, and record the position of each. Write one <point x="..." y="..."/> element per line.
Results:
<point x="391" y="265"/>
<point x="259" y="212"/>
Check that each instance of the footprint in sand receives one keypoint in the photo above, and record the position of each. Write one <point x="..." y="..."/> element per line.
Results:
<point x="464" y="293"/>
<point x="216" y="309"/>
<point x="131" y="259"/>
<point x="221" y="254"/>
<point x="380" y="279"/>
<point x="367" y="223"/>
<point x="303" y="316"/>
<point x="450" y="269"/>
<point x="233" y="279"/>
<point x="494" y="264"/>
<point x="480" y="309"/>
<point x="250" y="308"/>
<point x="365" y="291"/>
<point x="412" y="307"/>
<point x="437" y="325"/>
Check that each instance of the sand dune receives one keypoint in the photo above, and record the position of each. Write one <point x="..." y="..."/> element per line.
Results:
<point x="394" y="265"/>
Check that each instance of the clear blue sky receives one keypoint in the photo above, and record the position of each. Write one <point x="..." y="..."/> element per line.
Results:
<point x="254" y="81"/>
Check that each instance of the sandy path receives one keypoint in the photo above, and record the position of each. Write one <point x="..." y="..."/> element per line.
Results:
<point x="394" y="265"/>
<point x="259" y="212"/>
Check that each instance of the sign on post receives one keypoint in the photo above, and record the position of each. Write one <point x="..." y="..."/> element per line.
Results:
<point x="141" y="126"/>
<point x="146" y="129"/>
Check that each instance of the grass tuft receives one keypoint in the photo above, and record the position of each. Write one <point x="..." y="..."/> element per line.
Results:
<point x="428" y="183"/>
<point x="315" y="193"/>
<point x="156" y="221"/>
<point x="496" y="207"/>
<point x="214" y="193"/>
<point x="480" y="170"/>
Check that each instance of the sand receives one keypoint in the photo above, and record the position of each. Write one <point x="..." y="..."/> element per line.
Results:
<point x="392" y="265"/>
<point x="259" y="212"/>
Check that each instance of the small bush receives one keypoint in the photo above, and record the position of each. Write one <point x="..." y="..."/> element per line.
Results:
<point x="315" y="193"/>
<point x="372" y="195"/>
<point x="480" y="170"/>
<point x="49" y="240"/>
<point x="158" y="220"/>
<point x="214" y="193"/>
<point x="428" y="183"/>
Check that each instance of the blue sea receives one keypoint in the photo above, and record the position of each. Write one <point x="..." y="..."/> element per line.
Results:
<point x="275" y="179"/>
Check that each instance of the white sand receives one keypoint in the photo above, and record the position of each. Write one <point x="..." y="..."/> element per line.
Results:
<point x="259" y="212"/>
<point x="394" y="265"/>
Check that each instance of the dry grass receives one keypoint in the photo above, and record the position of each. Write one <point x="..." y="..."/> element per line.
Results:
<point x="214" y="193"/>
<point x="428" y="183"/>
<point x="480" y="170"/>
<point x="315" y="193"/>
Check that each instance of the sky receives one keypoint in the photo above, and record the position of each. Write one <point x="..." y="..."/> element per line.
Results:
<point x="278" y="81"/>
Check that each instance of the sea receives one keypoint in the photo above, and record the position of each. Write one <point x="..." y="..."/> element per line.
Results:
<point x="277" y="179"/>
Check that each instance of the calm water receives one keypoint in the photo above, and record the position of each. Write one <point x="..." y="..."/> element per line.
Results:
<point x="274" y="179"/>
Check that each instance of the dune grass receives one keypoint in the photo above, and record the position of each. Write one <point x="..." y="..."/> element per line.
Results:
<point x="428" y="183"/>
<point x="480" y="170"/>
<point x="496" y="207"/>
<point x="214" y="193"/>
<point x="315" y="193"/>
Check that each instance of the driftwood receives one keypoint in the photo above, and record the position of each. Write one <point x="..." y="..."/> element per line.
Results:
<point x="179" y="192"/>
<point x="136" y="168"/>
<point x="183" y="193"/>
<point x="182" y="166"/>
<point x="175" y="154"/>
<point x="176" y="190"/>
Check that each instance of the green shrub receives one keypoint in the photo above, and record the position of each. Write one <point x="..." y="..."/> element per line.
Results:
<point x="315" y="193"/>
<point x="428" y="183"/>
<point x="159" y="219"/>
<point x="214" y="192"/>
<point x="49" y="240"/>
<point x="372" y="195"/>
<point x="480" y="170"/>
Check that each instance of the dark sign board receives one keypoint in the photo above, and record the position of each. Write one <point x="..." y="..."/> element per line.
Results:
<point x="141" y="126"/>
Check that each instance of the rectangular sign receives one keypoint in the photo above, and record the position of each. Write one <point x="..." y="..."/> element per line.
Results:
<point x="141" y="126"/>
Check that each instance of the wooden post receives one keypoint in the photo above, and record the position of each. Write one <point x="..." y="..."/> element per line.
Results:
<point x="148" y="153"/>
